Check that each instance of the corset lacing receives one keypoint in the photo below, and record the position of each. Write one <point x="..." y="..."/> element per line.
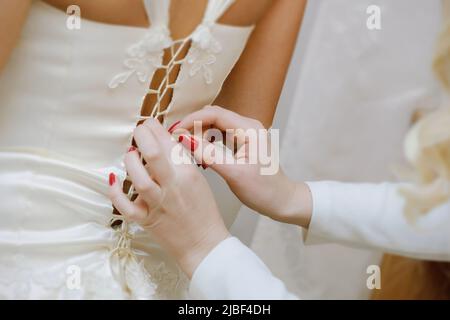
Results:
<point x="143" y="58"/>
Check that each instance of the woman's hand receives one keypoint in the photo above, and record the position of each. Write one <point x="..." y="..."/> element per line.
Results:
<point x="273" y="195"/>
<point x="174" y="203"/>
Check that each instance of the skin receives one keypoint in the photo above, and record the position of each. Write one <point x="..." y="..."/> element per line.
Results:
<point x="185" y="219"/>
<point x="257" y="191"/>
<point x="249" y="85"/>
<point x="13" y="14"/>
<point x="263" y="66"/>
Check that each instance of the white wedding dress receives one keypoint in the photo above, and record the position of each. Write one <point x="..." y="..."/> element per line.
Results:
<point x="69" y="101"/>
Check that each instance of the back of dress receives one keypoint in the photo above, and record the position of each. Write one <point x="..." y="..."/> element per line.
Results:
<point x="69" y="102"/>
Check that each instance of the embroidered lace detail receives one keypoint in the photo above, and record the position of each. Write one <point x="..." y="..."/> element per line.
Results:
<point x="23" y="281"/>
<point x="203" y="52"/>
<point x="144" y="56"/>
<point x="171" y="285"/>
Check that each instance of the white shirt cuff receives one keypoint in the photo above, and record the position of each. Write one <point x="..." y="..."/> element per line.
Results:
<point x="320" y="192"/>
<point x="232" y="271"/>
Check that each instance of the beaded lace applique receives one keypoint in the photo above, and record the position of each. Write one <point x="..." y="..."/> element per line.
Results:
<point x="146" y="55"/>
<point x="203" y="52"/>
<point x="143" y="57"/>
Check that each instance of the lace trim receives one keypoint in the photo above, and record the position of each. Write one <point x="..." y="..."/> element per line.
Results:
<point x="21" y="283"/>
<point x="146" y="55"/>
<point x="143" y="57"/>
<point x="203" y="52"/>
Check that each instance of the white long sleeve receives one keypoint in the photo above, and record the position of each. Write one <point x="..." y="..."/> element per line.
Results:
<point x="232" y="271"/>
<point x="371" y="215"/>
<point x="361" y="215"/>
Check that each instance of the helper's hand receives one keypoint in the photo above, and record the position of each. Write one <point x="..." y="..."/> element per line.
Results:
<point x="275" y="196"/>
<point x="175" y="202"/>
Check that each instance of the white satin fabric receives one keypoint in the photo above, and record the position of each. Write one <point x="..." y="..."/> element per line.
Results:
<point x="69" y="101"/>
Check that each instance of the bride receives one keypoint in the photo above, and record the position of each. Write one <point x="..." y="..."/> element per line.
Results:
<point x="69" y="103"/>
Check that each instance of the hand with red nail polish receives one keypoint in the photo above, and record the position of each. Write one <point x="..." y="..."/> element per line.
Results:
<point x="192" y="144"/>
<point x="189" y="142"/>
<point x="256" y="190"/>
<point x="174" y="203"/>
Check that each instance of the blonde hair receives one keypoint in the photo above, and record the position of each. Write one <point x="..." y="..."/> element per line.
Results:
<point x="427" y="148"/>
<point x="427" y="145"/>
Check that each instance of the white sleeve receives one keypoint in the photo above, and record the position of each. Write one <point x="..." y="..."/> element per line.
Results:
<point x="371" y="215"/>
<point x="232" y="271"/>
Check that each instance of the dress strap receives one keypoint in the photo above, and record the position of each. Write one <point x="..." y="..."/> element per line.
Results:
<point x="158" y="12"/>
<point x="215" y="9"/>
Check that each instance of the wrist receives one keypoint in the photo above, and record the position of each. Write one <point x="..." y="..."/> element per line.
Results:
<point x="298" y="209"/>
<point x="198" y="251"/>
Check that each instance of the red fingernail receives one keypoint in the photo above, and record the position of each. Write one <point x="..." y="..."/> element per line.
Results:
<point x="112" y="179"/>
<point x="132" y="149"/>
<point x="173" y="127"/>
<point x="188" y="142"/>
<point x="205" y="166"/>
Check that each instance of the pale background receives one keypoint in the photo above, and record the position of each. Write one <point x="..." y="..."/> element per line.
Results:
<point x="345" y="109"/>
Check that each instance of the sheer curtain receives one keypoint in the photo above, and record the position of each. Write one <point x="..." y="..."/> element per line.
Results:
<point x="347" y="104"/>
